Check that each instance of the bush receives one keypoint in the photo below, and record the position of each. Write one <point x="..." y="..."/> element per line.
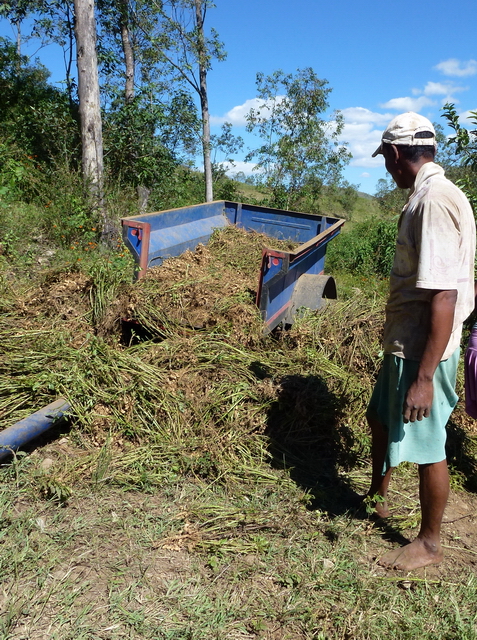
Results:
<point x="367" y="249"/>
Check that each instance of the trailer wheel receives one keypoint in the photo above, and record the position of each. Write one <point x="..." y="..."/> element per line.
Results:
<point x="310" y="292"/>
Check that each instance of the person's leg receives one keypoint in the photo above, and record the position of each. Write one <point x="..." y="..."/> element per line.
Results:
<point x="433" y="493"/>
<point x="426" y="548"/>
<point x="379" y="482"/>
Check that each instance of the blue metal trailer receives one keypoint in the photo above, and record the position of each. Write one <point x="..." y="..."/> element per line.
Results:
<point x="288" y="280"/>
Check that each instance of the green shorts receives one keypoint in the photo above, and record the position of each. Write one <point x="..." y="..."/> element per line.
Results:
<point x="422" y="442"/>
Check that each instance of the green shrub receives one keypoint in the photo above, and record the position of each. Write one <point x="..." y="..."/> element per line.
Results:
<point x="367" y="249"/>
<point x="15" y="170"/>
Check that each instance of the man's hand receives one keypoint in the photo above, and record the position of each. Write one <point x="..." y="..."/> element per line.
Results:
<point x="418" y="401"/>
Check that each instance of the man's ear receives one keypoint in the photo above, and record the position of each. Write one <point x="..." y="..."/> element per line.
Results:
<point x="396" y="152"/>
<point x="391" y="153"/>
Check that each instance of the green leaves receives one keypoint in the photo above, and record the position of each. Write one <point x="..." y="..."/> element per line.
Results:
<point x="464" y="144"/>
<point x="299" y="145"/>
<point x="367" y="249"/>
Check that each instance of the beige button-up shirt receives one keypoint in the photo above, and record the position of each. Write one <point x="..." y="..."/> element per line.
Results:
<point x="435" y="250"/>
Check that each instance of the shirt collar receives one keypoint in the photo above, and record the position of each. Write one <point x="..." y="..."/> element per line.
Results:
<point x="428" y="170"/>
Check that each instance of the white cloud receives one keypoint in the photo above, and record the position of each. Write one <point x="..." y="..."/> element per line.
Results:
<point x="466" y="119"/>
<point x="407" y="103"/>
<point x="365" y="174"/>
<point x="451" y="99"/>
<point x="446" y="89"/>
<point x="362" y="136"/>
<point x="236" y="115"/>
<point x="362" y="155"/>
<point x="441" y="89"/>
<point x="239" y="167"/>
<point x="455" y="67"/>
<point x="356" y="115"/>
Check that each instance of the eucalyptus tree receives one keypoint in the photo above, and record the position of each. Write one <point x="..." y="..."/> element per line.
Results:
<point x="16" y="12"/>
<point x="49" y="21"/>
<point x="152" y="57"/>
<point x="134" y="70"/>
<point x="149" y="123"/>
<point x="89" y="107"/>
<point x="300" y="151"/>
<point x="128" y="50"/>
<point x="119" y="45"/>
<point x="54" y="21"/>
<point x="188" y="51"/>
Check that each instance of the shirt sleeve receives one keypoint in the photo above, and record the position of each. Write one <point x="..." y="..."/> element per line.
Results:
<point x="437" y="237"/>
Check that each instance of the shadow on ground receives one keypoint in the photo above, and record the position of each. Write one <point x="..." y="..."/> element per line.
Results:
<point x="309" y="437"/>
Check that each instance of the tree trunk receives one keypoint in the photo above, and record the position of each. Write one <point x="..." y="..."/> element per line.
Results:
<point x="19" y="37"/>
<point x="204" y="103"/>
<point x="129" y="93"/>
<point x="89" y="107"/>
<point x="69" y="60"/>
<point x="128" y="52"/>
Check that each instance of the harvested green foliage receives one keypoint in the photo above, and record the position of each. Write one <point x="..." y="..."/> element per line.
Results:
<point x="206" y="391"/>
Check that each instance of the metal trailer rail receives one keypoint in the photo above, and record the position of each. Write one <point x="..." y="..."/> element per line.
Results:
<point x="288" y="280"/>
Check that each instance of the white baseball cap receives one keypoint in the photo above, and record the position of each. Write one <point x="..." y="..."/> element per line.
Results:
<point x="408" y="128"/>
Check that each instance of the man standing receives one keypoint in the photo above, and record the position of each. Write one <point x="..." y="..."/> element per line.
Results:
<point x="431" y="294"/>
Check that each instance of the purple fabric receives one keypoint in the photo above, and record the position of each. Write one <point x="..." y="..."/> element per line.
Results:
<point x="470" y="372"/>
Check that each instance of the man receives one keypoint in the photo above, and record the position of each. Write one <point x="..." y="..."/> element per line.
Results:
<point x="431" y="294"/>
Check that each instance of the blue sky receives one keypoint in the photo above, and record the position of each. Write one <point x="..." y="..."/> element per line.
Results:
<point x="379" y="57"/>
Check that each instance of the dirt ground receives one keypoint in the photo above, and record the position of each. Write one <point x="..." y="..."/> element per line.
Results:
<point x="113" y="558"/>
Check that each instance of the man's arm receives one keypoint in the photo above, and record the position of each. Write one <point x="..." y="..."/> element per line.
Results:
<point x="418" y="401"/>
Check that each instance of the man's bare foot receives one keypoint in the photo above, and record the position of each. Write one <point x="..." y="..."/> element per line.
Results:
<point x="419" y="553"/>
<point x="381" y="508"/>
